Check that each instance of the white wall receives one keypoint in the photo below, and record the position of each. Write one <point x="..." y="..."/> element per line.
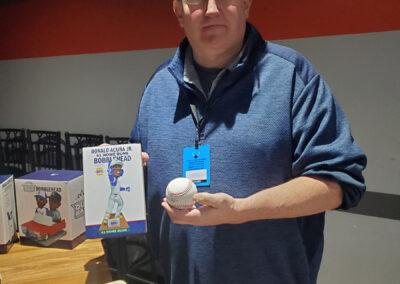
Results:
<point x="360" y="249"/>
<point x="92" y="93"/>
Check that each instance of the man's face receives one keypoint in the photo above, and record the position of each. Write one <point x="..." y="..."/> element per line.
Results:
<point x="117" y="170"/>
<point x="41" y="202"/>
<point x="54" y="205"/>
<point x="214" y="24"/>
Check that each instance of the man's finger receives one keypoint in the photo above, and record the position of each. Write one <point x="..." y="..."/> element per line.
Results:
<point x="206" y="198"/>
<point x="145" y="157"/>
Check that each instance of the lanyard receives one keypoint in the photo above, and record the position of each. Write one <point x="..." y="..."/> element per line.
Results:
<point x="197" y="123"/>
<point x="196" y="160"/>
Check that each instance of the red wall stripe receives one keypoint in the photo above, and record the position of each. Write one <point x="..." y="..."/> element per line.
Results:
<point x="39" y="28"/>
<point x="287" y="19"/>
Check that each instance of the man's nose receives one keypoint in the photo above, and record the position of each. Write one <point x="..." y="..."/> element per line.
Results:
<point x="212" y="8"/>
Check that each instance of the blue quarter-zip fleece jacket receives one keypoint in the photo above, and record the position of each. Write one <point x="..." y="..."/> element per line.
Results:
<point x="270" y="119"/>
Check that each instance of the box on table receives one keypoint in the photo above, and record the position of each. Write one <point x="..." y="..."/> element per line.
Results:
<point x="8" y="213"/>
<point x="114" y="190"/>
<point x="50" y="206"/>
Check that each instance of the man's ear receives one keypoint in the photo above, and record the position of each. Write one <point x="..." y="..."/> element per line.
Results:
<point x="178" y="10"/>
<point x="246" y="6"/>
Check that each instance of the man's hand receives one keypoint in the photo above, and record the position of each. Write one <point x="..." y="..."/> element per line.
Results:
<point x="301" y="196"/>
<point x="215" y="209"/>
<point x="145" y="158"/>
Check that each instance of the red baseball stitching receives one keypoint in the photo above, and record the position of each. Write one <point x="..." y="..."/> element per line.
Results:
<point x="188" y="187"/>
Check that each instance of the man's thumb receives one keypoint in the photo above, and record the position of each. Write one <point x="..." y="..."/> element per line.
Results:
<point x="205" y="198"/>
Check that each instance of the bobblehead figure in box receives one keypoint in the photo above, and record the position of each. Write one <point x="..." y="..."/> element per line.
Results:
<point x="114" y="190"/>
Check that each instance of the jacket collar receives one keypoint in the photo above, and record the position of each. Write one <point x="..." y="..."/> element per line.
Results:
<point x="254" y="42"/>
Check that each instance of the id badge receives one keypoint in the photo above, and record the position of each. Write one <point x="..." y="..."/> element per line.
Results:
<point x="196" y="164"/>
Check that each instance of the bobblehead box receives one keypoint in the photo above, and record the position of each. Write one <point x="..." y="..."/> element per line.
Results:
<point x="8" y="213"/>
<point x="50" y="206"/>
<point x="114" y="190"/>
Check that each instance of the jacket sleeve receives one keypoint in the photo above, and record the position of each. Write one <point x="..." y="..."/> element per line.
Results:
<point x="136" y="136"/>
<point x="135" y="132"/>
<point x="322" y="142"/>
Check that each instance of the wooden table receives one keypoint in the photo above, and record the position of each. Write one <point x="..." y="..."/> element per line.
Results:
<point x="86" y="263"/>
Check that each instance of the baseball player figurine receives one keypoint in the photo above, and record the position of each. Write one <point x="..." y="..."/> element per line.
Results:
<point x="41" y="201"/>
<point x="54" y="203"/>
<point x="114" y="172"/>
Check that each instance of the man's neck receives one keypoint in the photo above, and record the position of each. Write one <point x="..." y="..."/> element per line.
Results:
<point x="215" y="59"/>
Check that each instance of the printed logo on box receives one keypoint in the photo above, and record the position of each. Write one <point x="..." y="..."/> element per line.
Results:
<point x="29" y="187"/>
<point x="7" y="183"/>
<point x="79" y="205"/>
<point x="99" y="171"/>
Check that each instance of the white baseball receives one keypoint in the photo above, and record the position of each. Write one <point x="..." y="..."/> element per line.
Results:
<point x="179" y="193"/>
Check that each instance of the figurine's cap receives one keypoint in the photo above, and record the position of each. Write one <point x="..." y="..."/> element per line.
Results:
<point x="41" y="194"/>
<point x="116" y="162"/>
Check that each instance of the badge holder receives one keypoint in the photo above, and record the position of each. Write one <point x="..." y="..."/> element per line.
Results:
<point x="196" y="164"/>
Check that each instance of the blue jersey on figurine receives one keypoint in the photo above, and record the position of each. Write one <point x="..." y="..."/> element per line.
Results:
<point x="115" y="171"/>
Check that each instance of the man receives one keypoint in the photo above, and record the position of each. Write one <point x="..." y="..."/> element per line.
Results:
<point x="280" y="153"/>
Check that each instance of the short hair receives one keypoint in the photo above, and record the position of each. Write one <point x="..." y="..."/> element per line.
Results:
<point x="55" y="197"/>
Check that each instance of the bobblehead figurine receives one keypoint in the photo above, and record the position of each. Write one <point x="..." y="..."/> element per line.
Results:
<point x="54" y="204"/>
<point x="41" y="201"/>
<point x="115" y="171"/>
